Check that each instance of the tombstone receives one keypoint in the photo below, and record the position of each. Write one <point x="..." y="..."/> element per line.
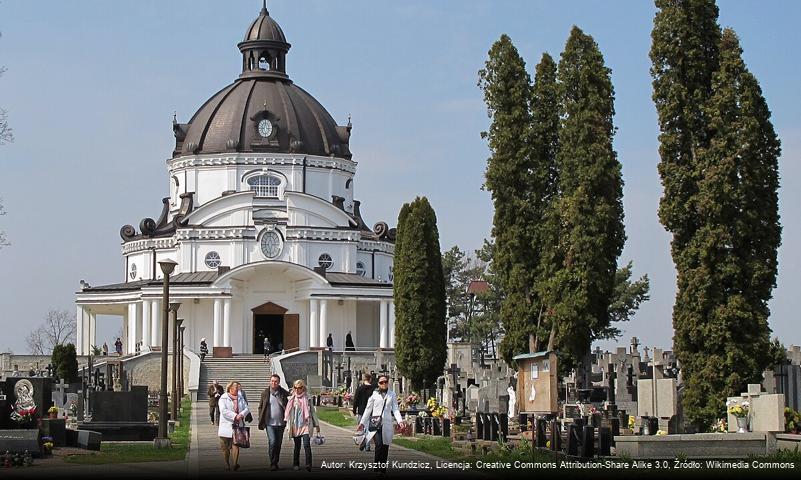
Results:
<point x="55" y="428"/>
<point x="556" y="437"/>
<point x="472" y="398"/>
<point x="488" y="427"/>
<point x="503" y="424"/>
<point x="436" y="429"/>
<point x="19" y="440"/>
<point x="494" y="426"/>
<point x="35" y="389"/>
<point x="605" y="440"/>
<point x="587" y="449"/>
<point x="766" y="411"/>
<point x="541" y="424"/>
<point x="89" y="440"/>
<point x="446" y="427"/>
<point x="573" y="440"/>
<point x="120" y="415"/>
<point x="522" y="420"/>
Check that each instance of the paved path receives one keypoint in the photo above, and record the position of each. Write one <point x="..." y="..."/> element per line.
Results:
<point x="205" y="457"/>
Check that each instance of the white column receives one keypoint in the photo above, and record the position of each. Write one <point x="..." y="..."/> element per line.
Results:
<point x="323" y="322"/>
<point x="382" y="322"/>
<point x="147" y="324"/>
<point x="155" y="324"/>
<point x="92" y="330"/>
<point x="392" y="324"/>
<point x="131" y="328"/>
<point x="79" y="333"/>
<point x="217" y="326"/>
<point x="226" y="318"/>
<point x="314" y="319"/>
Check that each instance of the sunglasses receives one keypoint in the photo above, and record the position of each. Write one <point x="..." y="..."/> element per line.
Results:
<point x="382" y="381"/>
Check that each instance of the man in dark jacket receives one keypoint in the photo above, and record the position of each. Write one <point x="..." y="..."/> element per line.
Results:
<point x="363" y="393"/>
<point x="271" y="417"/>
<point x="215" y="391"/>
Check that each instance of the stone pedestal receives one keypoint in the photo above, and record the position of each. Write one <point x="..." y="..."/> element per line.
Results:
<point x="222" y="352"/>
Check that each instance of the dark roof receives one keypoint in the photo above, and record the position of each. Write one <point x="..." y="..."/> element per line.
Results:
<point x="264" y="28"/>
<point x="354" y="280"/>
<point x="228" y="121"/>
<point x="181" y="279"/>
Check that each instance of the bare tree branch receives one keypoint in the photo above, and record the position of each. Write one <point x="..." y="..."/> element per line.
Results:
<point x="3" y="240"/>
<point x="58" y="328"/>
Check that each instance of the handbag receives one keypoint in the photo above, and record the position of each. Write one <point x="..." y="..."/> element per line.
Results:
<point x="241" y="432"/>
<point x="319" y="439"/>
<point x="375" y="421"/>
<point x="241" y="436"/>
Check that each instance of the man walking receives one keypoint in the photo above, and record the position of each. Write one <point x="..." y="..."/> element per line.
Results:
<point x="377" y="421"/>
<point x="363" y="393"/>
<point x="215" y="392"/>
<point x="271" y="417"/>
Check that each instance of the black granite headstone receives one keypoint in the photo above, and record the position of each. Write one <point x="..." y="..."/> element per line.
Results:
<point x="541" y="427"/>
<point x="522" y="420"/>
<point x="487" y="422"/>
<point x="55" y="428"/>
<point x="446" y="427"/>
<point x="556" y="436"/>
<point x="89" y="440"/>
<point x="495" y="427"/>
<point x="17" y="441"/>
<point x="480" y="426"/>
<point x="120" y="406"/>
<point x="604" y="441"/>
<point x="587" y="442"/>
<point x="436" y="426"/>
<point x="503" y="421"/>
<point x="573" y="439"/>
<point x="614" y="424"/>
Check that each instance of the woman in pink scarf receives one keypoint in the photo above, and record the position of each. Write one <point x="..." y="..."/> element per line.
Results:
<point x="300" y="417"/>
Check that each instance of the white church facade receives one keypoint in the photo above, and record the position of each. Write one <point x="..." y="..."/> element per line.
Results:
<point x="263" y="224"/>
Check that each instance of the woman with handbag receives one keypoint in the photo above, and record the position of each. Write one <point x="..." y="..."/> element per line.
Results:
<point x="300" y="417"/>
<point x="232" y="431"/>
<point x="382" y="407"/>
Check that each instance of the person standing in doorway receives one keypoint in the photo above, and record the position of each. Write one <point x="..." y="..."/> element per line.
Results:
<point x="215" y="392"/>
<point x="268" y="347"/>
<point x="349" y="342"/>
<point x="105" y="349"/>
<point x="301" y="417"/>
<point x="204" y="349"/>
<point x="363" y="393"/>
<point x="271" y="418"/>
<point x="377" y="421"/>
<point x="118" y="346"/>
<point x="329" y="342"/>
<point x="233" y="410"/>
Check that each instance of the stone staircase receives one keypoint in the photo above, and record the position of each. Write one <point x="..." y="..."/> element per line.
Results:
<point x="252" y="371"/>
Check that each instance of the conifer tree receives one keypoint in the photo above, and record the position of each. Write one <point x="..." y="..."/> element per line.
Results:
<point x="736" y="242"/>
<point x="589" y="208"/>
<point x="520" y="173"/>
<point x="419" y="292"/>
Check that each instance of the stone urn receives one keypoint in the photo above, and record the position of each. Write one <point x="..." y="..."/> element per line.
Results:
<point x="742" y="424"/>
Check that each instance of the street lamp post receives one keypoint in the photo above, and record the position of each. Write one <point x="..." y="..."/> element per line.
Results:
<point x="163" y="441"/>
<point x="181" y="362"/>
<point x="176" y="323"/>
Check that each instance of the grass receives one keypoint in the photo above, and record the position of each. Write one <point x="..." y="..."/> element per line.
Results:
<point x="437" y="446"/>
<point x="335" y="416"/>
<point x="122" y="452"/>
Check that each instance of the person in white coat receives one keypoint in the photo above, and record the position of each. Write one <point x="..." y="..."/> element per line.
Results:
<point x="233" y="410"/>
<point x="382" y="403"/>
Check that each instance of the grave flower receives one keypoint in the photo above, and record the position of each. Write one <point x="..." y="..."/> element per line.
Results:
<point x="738" y="410"/>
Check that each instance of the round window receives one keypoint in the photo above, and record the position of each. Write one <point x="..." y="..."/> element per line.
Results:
<point x="325" y="261"/>
<point x="213" y="260"/>
<point x="133" y="271"/>
<point x="360" y="270"/>
<point x="271" y="244"/>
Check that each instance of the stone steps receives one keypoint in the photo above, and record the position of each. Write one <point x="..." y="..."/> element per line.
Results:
<point x="252" y="371"/>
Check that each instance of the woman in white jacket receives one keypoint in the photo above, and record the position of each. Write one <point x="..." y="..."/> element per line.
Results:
<point x="382" y="403"/>
<point x="233" y="410"/>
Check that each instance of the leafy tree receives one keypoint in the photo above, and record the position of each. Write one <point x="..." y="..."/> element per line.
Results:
<point x="419" y="291"/>
<point x="777" y="353"/>
<point x="589" y="209"/>
<point x="628" y="295"/>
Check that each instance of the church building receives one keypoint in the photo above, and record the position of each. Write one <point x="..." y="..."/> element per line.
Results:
<point x="263" y="224"/>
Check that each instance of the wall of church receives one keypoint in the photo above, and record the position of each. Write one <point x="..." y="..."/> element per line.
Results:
<point x="342" y="253"/>
<point x="366" y="332"/>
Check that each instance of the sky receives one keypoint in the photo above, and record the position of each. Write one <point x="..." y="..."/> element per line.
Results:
<point x="91" y="87"/>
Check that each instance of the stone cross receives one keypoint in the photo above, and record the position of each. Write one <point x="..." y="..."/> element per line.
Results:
<point x="635" y="342"/>
<point x="454" y="372"/>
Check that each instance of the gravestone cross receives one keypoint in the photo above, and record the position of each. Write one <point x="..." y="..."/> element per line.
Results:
<point x="454" y="372"/>
<point x="635" y="342"/>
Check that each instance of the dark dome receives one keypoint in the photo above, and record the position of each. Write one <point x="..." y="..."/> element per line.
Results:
<point x="229" y="121"/>
<point x="264" y="28"/>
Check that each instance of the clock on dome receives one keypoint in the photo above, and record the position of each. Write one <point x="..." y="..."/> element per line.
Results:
<point x="265" y="128"/>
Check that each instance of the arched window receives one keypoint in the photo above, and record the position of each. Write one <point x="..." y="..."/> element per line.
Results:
<point x="213" y="260"/>
<point x="265" y="185"/>
<point x="360" y="270"/>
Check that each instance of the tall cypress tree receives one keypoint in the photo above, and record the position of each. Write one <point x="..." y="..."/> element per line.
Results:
<point x="419" y="291"/>
<point x="520" y="173"/>
<point x="590" y="208"/>
<point x="685" y="55"/>
<point x="737" y="239"/>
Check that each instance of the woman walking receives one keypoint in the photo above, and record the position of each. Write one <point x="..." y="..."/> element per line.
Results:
<point x="377" y="421"/>
<point x="300" y="416"/>
<point x="233" y="410"/>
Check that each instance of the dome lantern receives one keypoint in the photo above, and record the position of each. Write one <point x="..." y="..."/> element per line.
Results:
<point x="264" y="48"/>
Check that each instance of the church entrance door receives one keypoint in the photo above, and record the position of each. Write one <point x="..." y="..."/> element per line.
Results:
<point x="273" y="321"/>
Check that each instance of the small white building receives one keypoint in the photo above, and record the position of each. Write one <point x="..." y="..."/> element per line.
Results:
<point x="262" y="221"/>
